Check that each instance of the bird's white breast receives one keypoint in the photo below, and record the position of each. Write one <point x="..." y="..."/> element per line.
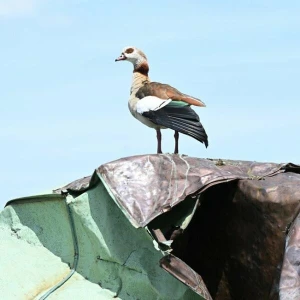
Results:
<point x="132" y="105"/>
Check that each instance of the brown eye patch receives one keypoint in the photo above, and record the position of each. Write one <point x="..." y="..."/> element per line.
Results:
<point x="129" y="50"/>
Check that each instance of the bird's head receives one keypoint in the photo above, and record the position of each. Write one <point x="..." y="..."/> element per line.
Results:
<point x="134" y="55"/>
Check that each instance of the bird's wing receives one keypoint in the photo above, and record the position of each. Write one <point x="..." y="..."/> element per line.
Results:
<point x="151" y="103"/>
<point x="178" y="116"/>
<point x="165" y="91"/>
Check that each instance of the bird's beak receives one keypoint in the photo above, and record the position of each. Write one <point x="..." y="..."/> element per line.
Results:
<point x="121" y="57"/>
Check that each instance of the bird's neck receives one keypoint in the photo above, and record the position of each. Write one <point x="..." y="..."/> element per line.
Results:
<point x="140" y="77"/>
<point x="141" y="67"/>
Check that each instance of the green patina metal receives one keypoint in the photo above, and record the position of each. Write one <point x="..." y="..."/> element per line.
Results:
<point x="39" y="251"/>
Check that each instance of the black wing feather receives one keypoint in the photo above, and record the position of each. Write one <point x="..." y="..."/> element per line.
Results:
<point x="182" y="119"/>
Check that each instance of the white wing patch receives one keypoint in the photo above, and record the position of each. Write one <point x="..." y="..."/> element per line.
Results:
<point x="151" y="103"/>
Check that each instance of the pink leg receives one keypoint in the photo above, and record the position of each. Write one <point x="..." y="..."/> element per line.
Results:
<point x="176" y="136"/>
<point x="158" y="136"/>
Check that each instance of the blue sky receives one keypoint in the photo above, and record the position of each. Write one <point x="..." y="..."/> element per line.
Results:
<point x="64" y="99"/>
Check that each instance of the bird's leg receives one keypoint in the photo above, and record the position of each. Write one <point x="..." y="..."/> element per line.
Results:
<point x="176" y="136"/>
<point x="158" y="136"/>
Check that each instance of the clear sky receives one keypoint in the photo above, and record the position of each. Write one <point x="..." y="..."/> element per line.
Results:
<point x="64" y="100"/>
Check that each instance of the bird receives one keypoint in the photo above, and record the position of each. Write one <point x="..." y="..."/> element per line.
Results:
<point x="159" y="105"/>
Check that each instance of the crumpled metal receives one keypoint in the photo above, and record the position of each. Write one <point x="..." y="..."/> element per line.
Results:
<point x="146" y="186"/>
<point x="290" y="275"/>
<point x="253" y="225"/>
<point x="243" y="229"/>
<point x="186" y="274"/>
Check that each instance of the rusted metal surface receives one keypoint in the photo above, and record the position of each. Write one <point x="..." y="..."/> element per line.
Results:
<point x="242" y="227"/>
<point x="290" y="275"/>
<point x="245" y="213"/>
<point x="184" y="273"/>
<point x="78" y="185"/>
<point x="148" y="185"/>
<point x="263" y="211"/>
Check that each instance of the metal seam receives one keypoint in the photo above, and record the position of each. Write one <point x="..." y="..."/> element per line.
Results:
<point x="76" y="255"/>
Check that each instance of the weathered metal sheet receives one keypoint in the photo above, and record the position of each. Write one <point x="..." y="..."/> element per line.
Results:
<point x="186" y="274"/>
<point x="242" y="225"/>
<point x="78" y="185"/>
<point x="290" y="275"/>
<point x="149" y="185"/>
<point x="116" y="260"/>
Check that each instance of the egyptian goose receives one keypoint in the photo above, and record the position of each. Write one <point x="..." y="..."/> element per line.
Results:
<point x="159" y="105"/>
